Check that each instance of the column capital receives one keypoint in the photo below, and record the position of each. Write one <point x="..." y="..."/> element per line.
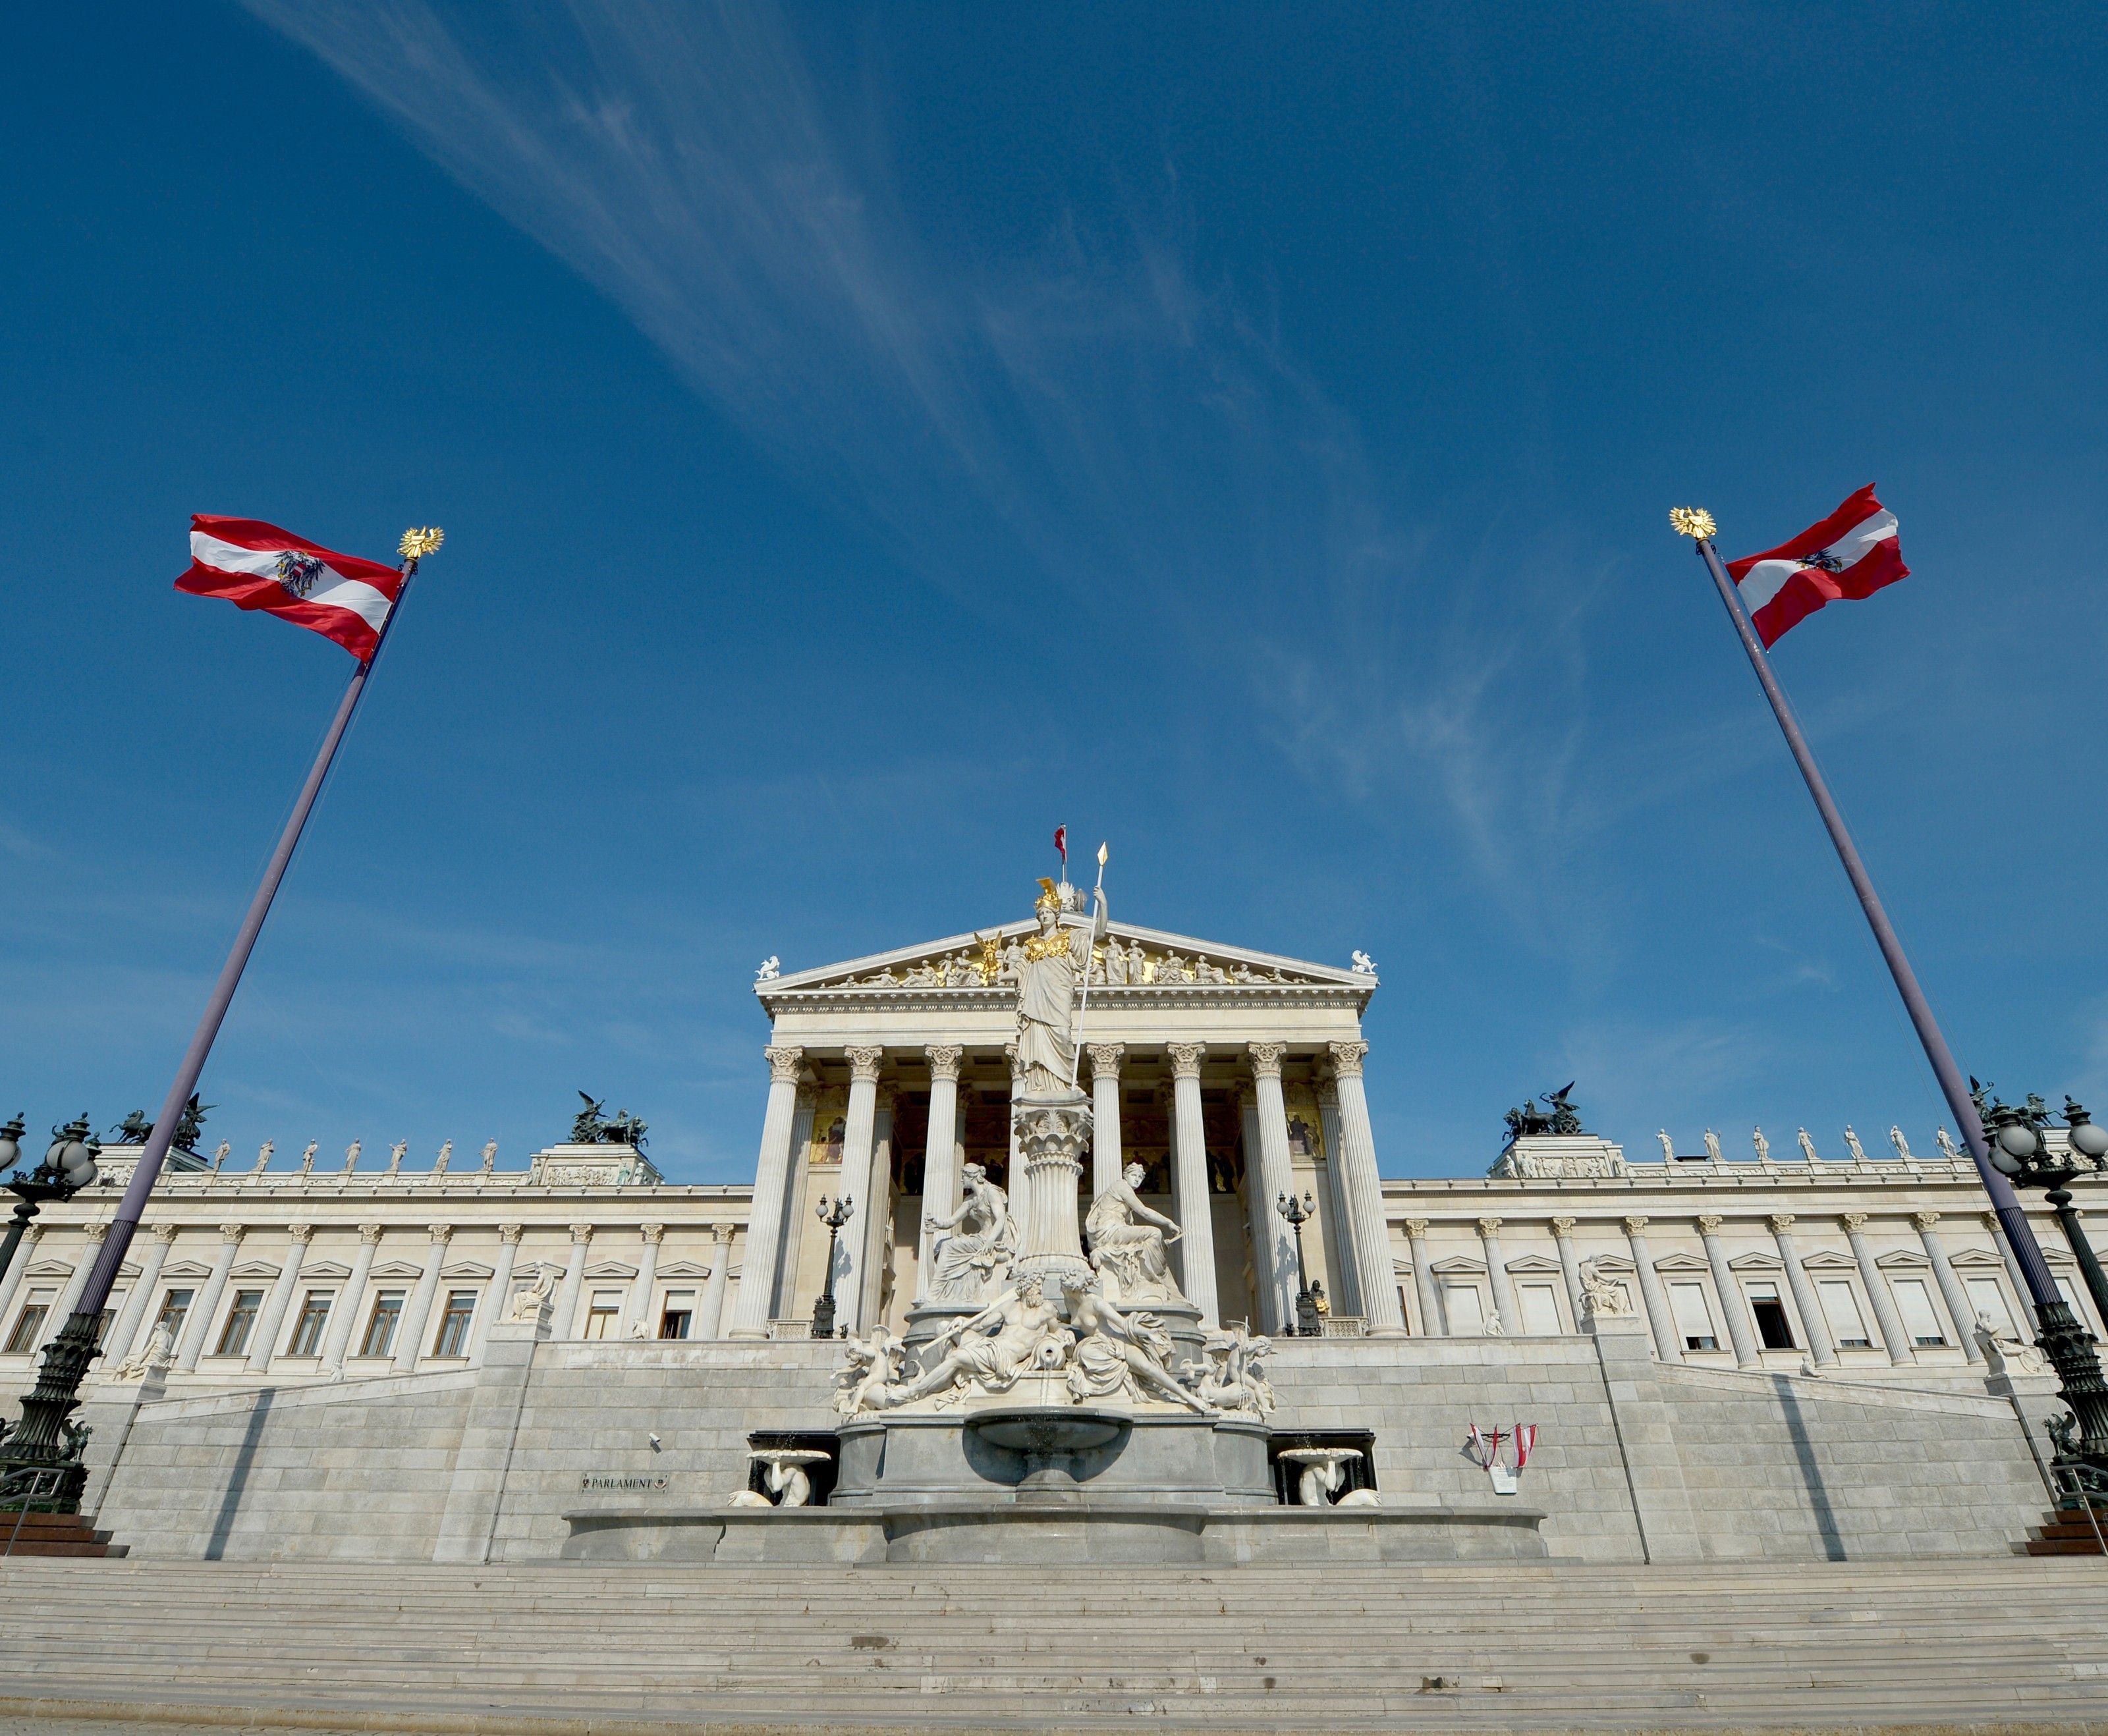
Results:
<point x="96" y="1231"/>
<point x="1489" y="1226"/>
<point x="1186" y="1059"/>
<point x="945" y="1060"/>
<point x="1853" y="1221"/>
<point x="1990" y="1220"/>
<point x="1106" y="1057"/>
<point x="722" y="1234"/>
<point x="303" y="1234"/>
<point x="1925" y="1220"/>
<point x="1347" y="1059"/>
<point x="1266" y="1059"/>
<point x="1780" y="1221"/>
<point x="1328" y="1098"/>
<point x="371" y="1232"/>
<point x="1709" y="1223"/>
<point x="234" y="1232"/>
<point x="654" y="1233"/>
<point x="1635" y="1223"/>
<point x="511" y="1232"/>
<point x="582" y="1233"/>
<point x="1009" y="1055"/>
<point x="1416" y="1227"/>
<point x="162" y="1233"/>
<point x="441" y="1234"/>
<point x="864" y="1058"/>
<point x="1563" y="1227"/>
<point x="784" y="1064"/>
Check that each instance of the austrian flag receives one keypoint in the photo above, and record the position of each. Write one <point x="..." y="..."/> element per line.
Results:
<point x="255" y="566"/>
<point x="1853" y="553"/>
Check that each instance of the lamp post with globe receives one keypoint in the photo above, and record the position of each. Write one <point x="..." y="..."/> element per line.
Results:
<point x="68" y="1167"/>
<point x="2021" y="1149"/>
<point x="40" y="1457"/>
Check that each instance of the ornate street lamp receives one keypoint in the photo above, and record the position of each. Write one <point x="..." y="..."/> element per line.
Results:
<point x="834" y="1216"/>
<point x="2019" y="1150"/>
<point x="1309" y="1323"/>
<point x="68" y="1167"/>
<point x="40" y="1457"/>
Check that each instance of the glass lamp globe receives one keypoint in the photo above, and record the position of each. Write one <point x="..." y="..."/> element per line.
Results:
<point x="11" y="1144"/>
<point x="2019" y="1139"/>
<point x="2002" y="1160"/>
<point x="2090" y="1140"/>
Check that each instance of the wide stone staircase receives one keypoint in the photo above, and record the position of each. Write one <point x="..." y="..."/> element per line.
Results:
<point x="2015" y="1643"/>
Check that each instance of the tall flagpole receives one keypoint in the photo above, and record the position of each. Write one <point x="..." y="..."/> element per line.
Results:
<point x="2067" y="1341"/>
<point x="37" y="1439"/>
<point x="1076" y="1060"/>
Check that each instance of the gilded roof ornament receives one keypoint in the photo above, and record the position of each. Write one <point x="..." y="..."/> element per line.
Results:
<point x="417" y="544"/>
<point x="1692" y="521"/>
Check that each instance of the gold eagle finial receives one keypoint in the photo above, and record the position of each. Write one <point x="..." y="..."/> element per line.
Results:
<point x="1692" y="521"/>
<point x="417" y="544"/>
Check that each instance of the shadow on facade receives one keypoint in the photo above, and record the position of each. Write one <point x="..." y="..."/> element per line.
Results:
<point x="1811" y="1473"/>
<point x="237" y="1482"/>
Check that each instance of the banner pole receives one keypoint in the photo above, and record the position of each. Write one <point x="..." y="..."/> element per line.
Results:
<point x="96" y="1292"/>
<point x="2067" y="1341"/>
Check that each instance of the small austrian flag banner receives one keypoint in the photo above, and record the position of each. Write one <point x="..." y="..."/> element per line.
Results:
<point x="255" y="566"/>
<point x="1853" y="553"/>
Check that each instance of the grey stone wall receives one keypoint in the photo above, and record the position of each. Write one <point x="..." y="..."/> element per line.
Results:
<point x="1634" y="1460"/>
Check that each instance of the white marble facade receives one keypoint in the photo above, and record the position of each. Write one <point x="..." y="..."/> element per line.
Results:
<point x="1230" y="1076"/>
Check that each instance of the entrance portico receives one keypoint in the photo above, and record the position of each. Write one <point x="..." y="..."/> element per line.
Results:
<point x="1231" y="1076"/>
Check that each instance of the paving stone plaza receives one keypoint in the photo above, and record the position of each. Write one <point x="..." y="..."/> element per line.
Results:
<point x="1766" y="1407"/>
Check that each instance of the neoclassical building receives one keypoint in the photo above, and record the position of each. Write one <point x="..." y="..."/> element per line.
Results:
<point x="1232" y="1077"/>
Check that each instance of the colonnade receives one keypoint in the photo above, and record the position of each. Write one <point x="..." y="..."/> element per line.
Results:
<point x="1354" y="1201"/>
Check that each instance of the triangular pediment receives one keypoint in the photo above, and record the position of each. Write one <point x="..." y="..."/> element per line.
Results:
<point x="683" y="1269"/>
<point x="1151" y="959"/>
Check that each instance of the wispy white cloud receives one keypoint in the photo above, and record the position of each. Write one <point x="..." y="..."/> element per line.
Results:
<point x="1087" y="412"/>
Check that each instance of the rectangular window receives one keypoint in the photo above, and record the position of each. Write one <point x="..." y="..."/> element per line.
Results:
<point x="678" y="1314"/>
<point x="1921" y="1319"/>
<point x="606" y="1309"/>
<point x="1466" y="1313"/>
<point x="175" y="1310"/>
<point x="379" y="1339"/>
<point x="1987" y="1296"/>
<point x="29" y="1323"/>
<point x="2070" y="1298"/>
<point x="451" y="1339"/>
<point x="1694" y="1319"/>
<point x="1774" y="1331"/>
<point x="241" y="1322"/>
<point x="109" y="1312"/>
<point x="1540" y="1310"/>
<point x="307" y="1326"/>
<point x="1840" y="1307"/>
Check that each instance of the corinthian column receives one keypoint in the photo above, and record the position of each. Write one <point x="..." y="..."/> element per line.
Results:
<point x="410" y="1337"/>
<point x="1892" y="1335"/>
<point x="1667" y="1343"/>
<point x="118" y="1344"/>
<point x="850" y="1251"/>
<point x="713" y="1292"/>
<point x="771" y="1180"/>
<point x="648" y="1275"/>
<point x="1497" y="1277"/>
<point x="1275" y="1177"/>
<point x="940" y="1161"/>
<point x="1950" y="1286"/>
<point x="265" y="1344"/>
<point x="498" y="1299"/>
<point x="207" y="1305"/>
<point x="345" y="1314"/>
<point x="1812" y="1325"/>
<point x="1432" y="1325"/>
<point x="1739" y="1333"/>
<point x="1189" y="1181"/>
<point x="1338" y="1221"/>
<point x="1364" y="1188"/>
<point x="1105" y="1059"/>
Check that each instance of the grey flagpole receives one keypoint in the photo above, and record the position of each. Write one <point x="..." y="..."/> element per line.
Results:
<point x="119" y="1239"/>
<point x="2027" y="1252"/>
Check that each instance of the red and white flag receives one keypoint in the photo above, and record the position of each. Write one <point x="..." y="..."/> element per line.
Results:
<point x="1853" y="553"/>
<point x="1062" y="843"/>
<point x="255" y="566"/>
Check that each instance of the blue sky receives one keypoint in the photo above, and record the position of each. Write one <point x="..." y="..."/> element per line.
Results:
<point x="868" y="436"/>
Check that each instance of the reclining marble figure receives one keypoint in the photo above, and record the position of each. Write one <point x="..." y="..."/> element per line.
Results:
<point x="1018" y="1331"/>
<point x="1120" y="1356"/>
